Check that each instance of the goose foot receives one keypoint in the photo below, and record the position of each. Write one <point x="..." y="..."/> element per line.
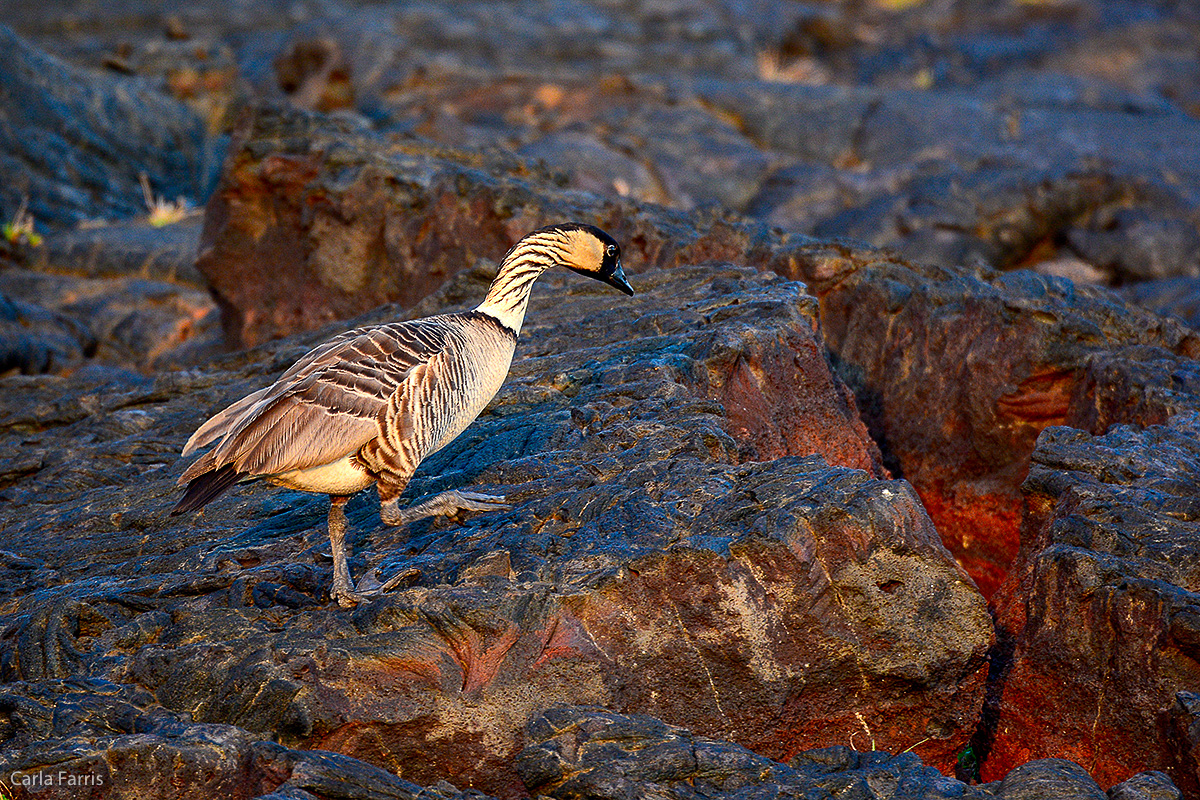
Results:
<point x="443" y="505"/>
<point x="368" y="587"/>
<point x="348" y="595"/>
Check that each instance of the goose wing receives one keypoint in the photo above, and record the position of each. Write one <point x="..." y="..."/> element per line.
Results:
<point x="320" y="356"/>
<point x="325" y="407"/>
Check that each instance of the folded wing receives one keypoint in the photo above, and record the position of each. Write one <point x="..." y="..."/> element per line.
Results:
<point x="325" y="407"/>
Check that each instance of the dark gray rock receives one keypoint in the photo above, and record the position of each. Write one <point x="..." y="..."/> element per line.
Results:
<point x="589" y="164"/>
<point x="131" y="248"/>
<point x="577" y="753"/>
<point x="1051" y="777"/>
<point x="669" y="551"/>
<point x="1058" y="136"/>
<point x="123" y="746"/>
<point x="75" y="144"/>
<point x="1112" y="545"/>
<point x="1145" y="786"/>
<point x="125" y="323"/>
<point x="35" y="340"/>
<point x="962" y="178"/>
<point x="1141" y="245"/>
<point x="1174" y="297"/>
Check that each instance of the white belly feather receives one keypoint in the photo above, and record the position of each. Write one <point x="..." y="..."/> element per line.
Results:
<point x="338" y="477"/>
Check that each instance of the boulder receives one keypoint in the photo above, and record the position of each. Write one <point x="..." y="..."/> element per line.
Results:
<point x="1174" y="297"/>
<point x="34" y="339"/>
<point x="126" y="323"/>
<point x="110" y="741"/>
<point x="120" y="748"/>
<point x="319" y="218"/>
<point x="590" y="753"/>
<point x="125" y="249"/>
<point x="967" y="368"/>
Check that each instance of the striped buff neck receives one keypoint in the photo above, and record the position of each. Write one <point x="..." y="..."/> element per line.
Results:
<point x="508" y="297"/>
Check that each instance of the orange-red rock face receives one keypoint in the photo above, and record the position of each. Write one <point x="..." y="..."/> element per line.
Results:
<point x="1099" y="611"/>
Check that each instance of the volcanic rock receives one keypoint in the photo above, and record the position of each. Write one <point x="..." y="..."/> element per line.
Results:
<point x="320" y="218"/>
<point x="123" y="746"/>
<point x="34" y="339"/>
<point x="1101" y="609"/>
<point x="306" y="217"/>
<point x="124" y="323"/>
<point x="958" y="372"/>
<point x="128" y="248"/>
<point x="1173" y="297"/>
<point x="1058" y="136"/>
<point x="678" y="546"/>
<point x="577" y="753"/>
<point x="75" y="144"/>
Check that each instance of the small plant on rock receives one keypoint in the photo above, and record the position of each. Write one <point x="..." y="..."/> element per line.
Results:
<point x="19" y="231"/>
<point x="161" y="211"/>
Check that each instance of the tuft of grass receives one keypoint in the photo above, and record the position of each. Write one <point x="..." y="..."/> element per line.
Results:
<point x="19" y="230"/>
<point x="163" y="212"/>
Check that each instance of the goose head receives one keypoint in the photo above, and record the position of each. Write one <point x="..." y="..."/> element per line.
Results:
<point x="592" y="252"/>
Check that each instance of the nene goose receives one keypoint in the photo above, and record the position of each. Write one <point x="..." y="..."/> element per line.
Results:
<point x="369" y="405"/>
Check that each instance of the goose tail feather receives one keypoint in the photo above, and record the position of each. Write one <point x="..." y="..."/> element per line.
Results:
<point x="203" y="489"/>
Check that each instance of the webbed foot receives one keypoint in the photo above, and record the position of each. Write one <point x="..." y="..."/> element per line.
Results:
<point x="443" y="505"/>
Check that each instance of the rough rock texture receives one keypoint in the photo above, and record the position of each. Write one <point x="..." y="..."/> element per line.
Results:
<point x="579" y="753"/>
<point x="1008" y="133"/>
<point x="122" y="746"/>
<point x="1101" y="610"/>
<point x="34" y="339"/>
<point x="957" y="373"/>
<point x="134" y="323"/>
<point x="125" y="751"/>
<point x="1176" y="297"/>
<point x="650" y="564"/>
<point x="113" y="297"/>
<point x="75" y="144"/>
<point x="1000" y="355"/>
<point x="320" y="218"/>
<point x="965" y="134"/>
<point x="124" y="249"/>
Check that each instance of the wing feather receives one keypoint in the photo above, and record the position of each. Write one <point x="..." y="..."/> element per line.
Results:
<point x="326" y="406"/>
<point x="221" y="422"/>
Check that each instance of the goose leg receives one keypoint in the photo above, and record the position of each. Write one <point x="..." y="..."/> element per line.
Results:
<point x="444" y="504"/>
<point x="342" y="590"/>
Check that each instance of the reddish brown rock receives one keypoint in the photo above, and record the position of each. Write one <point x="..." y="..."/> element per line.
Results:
<point x="969" y="369"/>
<point x="316" y="219"/>
<point x="133" y="323"/>
<point x="1101" y="609"/>
<point x="958" y="373"/>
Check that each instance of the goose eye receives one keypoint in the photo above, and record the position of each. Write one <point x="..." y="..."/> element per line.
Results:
<point x="611" y="250"/>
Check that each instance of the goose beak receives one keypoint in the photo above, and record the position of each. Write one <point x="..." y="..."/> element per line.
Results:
<point x="617" y="280"/>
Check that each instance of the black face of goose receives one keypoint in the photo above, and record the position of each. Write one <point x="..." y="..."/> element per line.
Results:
<point x="595" y="254"/>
